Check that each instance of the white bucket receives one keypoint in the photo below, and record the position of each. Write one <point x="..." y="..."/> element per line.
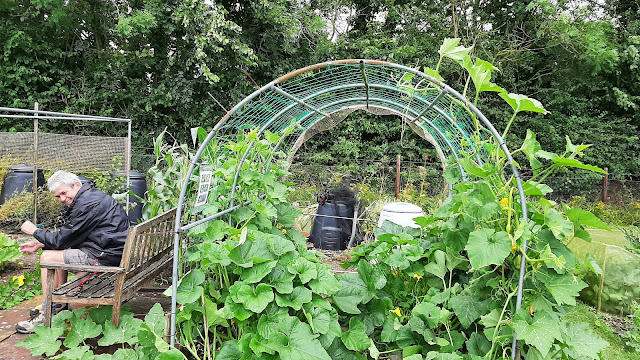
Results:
<point x="400" y="213"/>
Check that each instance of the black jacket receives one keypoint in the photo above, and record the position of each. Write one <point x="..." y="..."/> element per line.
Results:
<point x="96" y="224"/>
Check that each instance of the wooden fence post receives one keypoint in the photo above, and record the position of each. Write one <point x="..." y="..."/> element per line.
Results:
<point x="397" y="176"/>
<point x="605" y="185"/>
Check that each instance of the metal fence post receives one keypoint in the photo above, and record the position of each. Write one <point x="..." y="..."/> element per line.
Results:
<point x="35" y="164"/>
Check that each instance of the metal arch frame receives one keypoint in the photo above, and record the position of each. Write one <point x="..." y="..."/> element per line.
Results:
<point x="470" y="107"/>
<point x="430" y="105"/>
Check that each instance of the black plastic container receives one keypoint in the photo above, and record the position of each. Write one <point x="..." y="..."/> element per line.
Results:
<point x="137" y="184"/>
<point x="19" y="179"/>
<point x="331" y="231"/>
<point x="85" y="180"/>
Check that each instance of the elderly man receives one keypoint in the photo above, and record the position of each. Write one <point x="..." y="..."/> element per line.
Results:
<point x="94" y="233"/>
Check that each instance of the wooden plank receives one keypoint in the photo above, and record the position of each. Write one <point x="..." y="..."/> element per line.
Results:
<point x="91" y="301"/>
<point x="48" y="296"/>
<point x="82" y="268"/>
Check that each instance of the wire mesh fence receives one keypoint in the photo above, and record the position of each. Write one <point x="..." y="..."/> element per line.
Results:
<point x="49" y="151"/>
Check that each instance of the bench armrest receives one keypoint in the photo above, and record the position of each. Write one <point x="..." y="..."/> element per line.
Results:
<point x="82" y="268"/>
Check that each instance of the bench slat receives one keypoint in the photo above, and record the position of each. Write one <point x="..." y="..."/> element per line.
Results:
<point x="83" y="268"/>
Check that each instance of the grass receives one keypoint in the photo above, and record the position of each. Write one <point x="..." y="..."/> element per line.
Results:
<point x="617" y="349"/>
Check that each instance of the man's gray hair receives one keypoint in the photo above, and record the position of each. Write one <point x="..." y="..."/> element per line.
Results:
<point x="62" y="177"/>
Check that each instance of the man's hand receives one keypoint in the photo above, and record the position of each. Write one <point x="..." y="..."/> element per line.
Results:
<point x="28" y="227"/>
<point x="31" y="246"/>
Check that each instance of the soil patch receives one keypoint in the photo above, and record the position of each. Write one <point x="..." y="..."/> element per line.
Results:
<point x="619" y="325"/>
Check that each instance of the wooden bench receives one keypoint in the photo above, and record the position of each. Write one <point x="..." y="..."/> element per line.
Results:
<point x="147" y="251"/>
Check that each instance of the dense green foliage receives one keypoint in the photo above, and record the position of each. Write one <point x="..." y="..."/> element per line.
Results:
<point x="163" y="63"/>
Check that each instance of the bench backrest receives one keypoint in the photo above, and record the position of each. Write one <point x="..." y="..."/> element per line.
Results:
<point x="148" y="242"/>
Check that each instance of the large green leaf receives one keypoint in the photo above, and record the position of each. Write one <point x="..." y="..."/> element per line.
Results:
<point x="281" y="279"/>
<point x="582" y="342"/>
<point x="520" y="102"/>
<point x="585" y="218"/>
<point x="76" y="353"/>
<point x="257" y="272"/>
<point x="437" y="266"/>
<point x="250" y="252"/>
<point x="577" y="164"/>
<point x="478" y="344"/>
<point x="302" y="344"/>
<point x="189" y="289"/>
<point x="44" y="341"/>
<point x="125" y="332"/>
<point x="322" y="317"/>
<point x="530" y="147"/>
<point x="486" y="247"/>
<point x="431" y="314"/>
<point x="353" y="292"/>
<point x="278" y="244"/>
<point x="172" y="354"/>
<point x="450" y="49"/>
<point x="81" y="329"/>
<point x="557" y="223"/>
<point x="213" y="253"/>
<point x="265" y="208"/>
<point x="480" y="73"/>
<point x="229" y="351"/>
<point x="287" y="214"/>
<point x="300" y="295"/>
<point x="255" y="299"/>
<point x="304" y="269"/>
<point x="539" y="331"/>
<point x="326" y="282"/>
<point x="469" y="308"/>
<point x="356" y="337"/>
<point x="564" y="288"/>
<point x="371" y="275"/>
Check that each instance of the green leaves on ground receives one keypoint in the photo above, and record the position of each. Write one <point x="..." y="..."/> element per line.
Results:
<point x="78" y="326"/>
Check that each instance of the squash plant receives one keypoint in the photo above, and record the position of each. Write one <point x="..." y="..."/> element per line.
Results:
<point x="448" y="289"/>
<point x="255" y="290"/>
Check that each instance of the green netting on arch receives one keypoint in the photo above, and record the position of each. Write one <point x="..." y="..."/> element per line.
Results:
<point x="318" y="97"/>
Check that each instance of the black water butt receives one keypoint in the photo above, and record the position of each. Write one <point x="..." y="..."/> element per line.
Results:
<point x="85" y="180"/>
<point x="19" y="179"/>
<point x="137" y="184"/>
<point x="332" y="225"/>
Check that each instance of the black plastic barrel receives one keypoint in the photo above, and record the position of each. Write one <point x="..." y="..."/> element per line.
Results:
<point x="19" y="179"/>
<point x="137" y="184"/>
<point x="332" y="226"/>
<point x="84" y="179"/>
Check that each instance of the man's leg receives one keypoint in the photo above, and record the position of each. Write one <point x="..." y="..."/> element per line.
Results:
<point x="55" y="257"/>
<point x="48" y="256"/>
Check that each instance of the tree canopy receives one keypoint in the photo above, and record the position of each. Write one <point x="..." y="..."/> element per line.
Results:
<point x="183" y="63"/>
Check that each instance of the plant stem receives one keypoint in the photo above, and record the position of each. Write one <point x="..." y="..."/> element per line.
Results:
<point x="495" y="331"/>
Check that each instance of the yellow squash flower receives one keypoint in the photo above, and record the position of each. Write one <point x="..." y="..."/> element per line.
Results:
<point x="396" y="311"/>
<point x="504" y="203"/>
<point x="417" y="276"/>
<point x="20" y="280"/>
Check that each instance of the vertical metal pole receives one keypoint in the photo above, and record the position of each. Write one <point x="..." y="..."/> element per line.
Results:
<point x="35" y="165"/>
<point x="605" y="185"/>
<point x="128" y="163"/>
<point x="397" y="176"/>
